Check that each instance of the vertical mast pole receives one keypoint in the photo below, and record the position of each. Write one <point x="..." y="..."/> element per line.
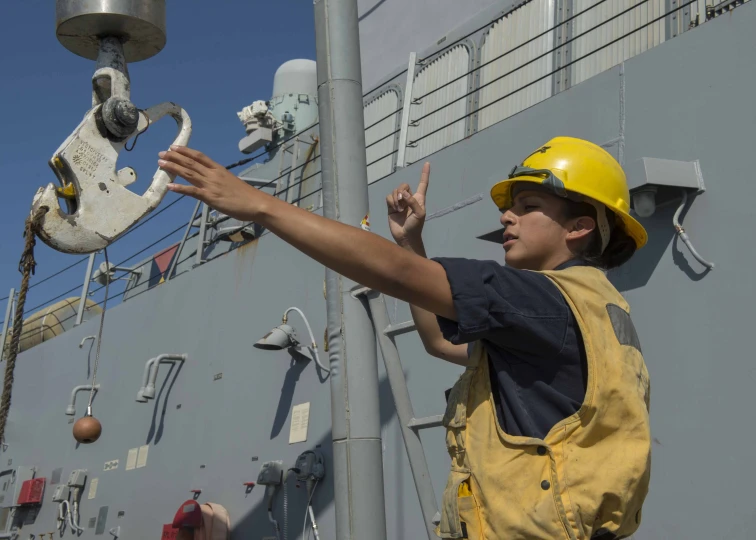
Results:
<point x="356" y="431"/>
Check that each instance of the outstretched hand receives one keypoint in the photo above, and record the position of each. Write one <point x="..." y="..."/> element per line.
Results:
<point x="365" y="258"/>
<point x="406" y="212"/>
<point x="209" y="182"/>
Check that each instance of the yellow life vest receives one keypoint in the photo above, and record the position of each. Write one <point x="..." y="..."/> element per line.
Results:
<point x="589" y="476"/>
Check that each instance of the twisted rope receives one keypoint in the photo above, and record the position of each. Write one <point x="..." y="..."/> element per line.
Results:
<point x="26" y="267"/>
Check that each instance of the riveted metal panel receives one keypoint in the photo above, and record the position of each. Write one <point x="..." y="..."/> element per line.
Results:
<point x="379" y="125"/>
<point x="426" y="136"/>
<point x="514" y="70"/>
<point x="596" y="34"/>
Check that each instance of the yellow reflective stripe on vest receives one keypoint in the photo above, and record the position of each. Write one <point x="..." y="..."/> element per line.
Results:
<point x="589" y="476"/>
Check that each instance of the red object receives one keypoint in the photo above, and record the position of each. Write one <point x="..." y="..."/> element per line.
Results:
<point x="169" y="533"/>
<point x="32" y="491"/>
<point x="249" y="484"/>
<point x="164" y="258"/>
<point x="188" y="515"/>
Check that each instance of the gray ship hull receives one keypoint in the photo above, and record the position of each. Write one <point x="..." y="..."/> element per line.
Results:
<point x="228" y="407"/>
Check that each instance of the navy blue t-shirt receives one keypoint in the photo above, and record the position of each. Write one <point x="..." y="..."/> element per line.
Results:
<point x="536" y="353"/>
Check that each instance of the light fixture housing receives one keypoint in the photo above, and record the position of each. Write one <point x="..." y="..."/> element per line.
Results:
<point x="281" y="337"/>
<point x="657" y="182"/>
<point x="284" y="336"/>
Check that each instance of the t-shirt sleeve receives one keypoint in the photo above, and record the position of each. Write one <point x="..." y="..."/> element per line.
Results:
<point x="514" y="309"/>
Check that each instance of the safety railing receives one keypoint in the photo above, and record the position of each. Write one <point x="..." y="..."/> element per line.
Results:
<point x="59" y="313"/>
<point x="529" y="54"/>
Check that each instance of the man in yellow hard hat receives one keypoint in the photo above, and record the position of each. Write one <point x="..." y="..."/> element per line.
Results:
<point x="548" y="426"/>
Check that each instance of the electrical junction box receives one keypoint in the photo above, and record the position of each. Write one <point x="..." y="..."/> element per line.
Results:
<point x="662" y="182"/>
<point x="77" y="478"/>
<point x="11" y="483"/>
<point x="6" y="488"/>
<point x="32" y="491"/>
<point x="271" y="473"/>
<point x="310" y="466"/>
<point x="665" y="172"/>
<point x="61" y="493"/>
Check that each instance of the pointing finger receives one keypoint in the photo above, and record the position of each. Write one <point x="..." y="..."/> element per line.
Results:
<point x="422" y="187"/>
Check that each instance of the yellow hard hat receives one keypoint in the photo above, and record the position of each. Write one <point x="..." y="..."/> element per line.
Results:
<point x="568" y="165"/>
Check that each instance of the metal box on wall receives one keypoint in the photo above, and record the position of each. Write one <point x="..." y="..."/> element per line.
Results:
<point x="32" y="491"/>
<point x="11" y="483"/>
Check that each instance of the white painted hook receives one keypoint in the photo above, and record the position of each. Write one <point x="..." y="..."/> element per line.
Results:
<point x="102" y="208"/>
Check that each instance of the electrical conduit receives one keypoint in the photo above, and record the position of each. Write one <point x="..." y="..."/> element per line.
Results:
<point x="683" y="236"/>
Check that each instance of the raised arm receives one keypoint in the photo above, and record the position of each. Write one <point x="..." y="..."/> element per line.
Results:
<point x="406" y="217"/>
<point x="359" y="255"/>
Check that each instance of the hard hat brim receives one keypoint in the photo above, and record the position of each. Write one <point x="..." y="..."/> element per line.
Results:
<point x="501" y="193"/>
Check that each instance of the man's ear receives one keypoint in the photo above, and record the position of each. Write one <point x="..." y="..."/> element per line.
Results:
<point x="581" y="228"/>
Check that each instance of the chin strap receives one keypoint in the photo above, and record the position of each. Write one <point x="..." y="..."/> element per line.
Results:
<point x="603" y="223"/>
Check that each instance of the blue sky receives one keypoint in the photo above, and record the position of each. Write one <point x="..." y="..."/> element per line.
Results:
<point x="220" y="56"/>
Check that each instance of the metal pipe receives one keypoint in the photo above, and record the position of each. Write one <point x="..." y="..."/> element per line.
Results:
<point x="403" y="404"/>
<point x="71" y="409"/>
<point x="141" y="398"/>
<point x="426" y="422"/>
<point x="355" y="416"/>
<point x="6" y="321"/>
<point x="292" y="174"/>
<point x="313" y="343"/>
<point x="85" y="289"/>
<point x="684" y="236"/>
<point x="201" y="243"/>
<point x="149" y="389"/>
<point x="183" y="242"/>
<point x="406" y="111"/>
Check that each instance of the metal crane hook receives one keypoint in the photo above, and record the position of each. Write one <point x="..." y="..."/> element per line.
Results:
<point x="100" y="208"/>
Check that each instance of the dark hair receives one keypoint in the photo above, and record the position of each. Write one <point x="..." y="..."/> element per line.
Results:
<point x="620" y="248"/>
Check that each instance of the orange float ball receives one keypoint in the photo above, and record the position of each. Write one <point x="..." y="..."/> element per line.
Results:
<point x="87" y="429"/>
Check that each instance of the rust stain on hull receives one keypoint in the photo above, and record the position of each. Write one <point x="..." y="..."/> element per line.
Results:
<point x="245" y="257"/>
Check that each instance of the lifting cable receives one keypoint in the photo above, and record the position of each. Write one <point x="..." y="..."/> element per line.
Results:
<point x="99" y="336"/>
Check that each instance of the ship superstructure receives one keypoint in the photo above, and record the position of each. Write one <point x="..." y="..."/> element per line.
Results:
<point x="206" y="394"/>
